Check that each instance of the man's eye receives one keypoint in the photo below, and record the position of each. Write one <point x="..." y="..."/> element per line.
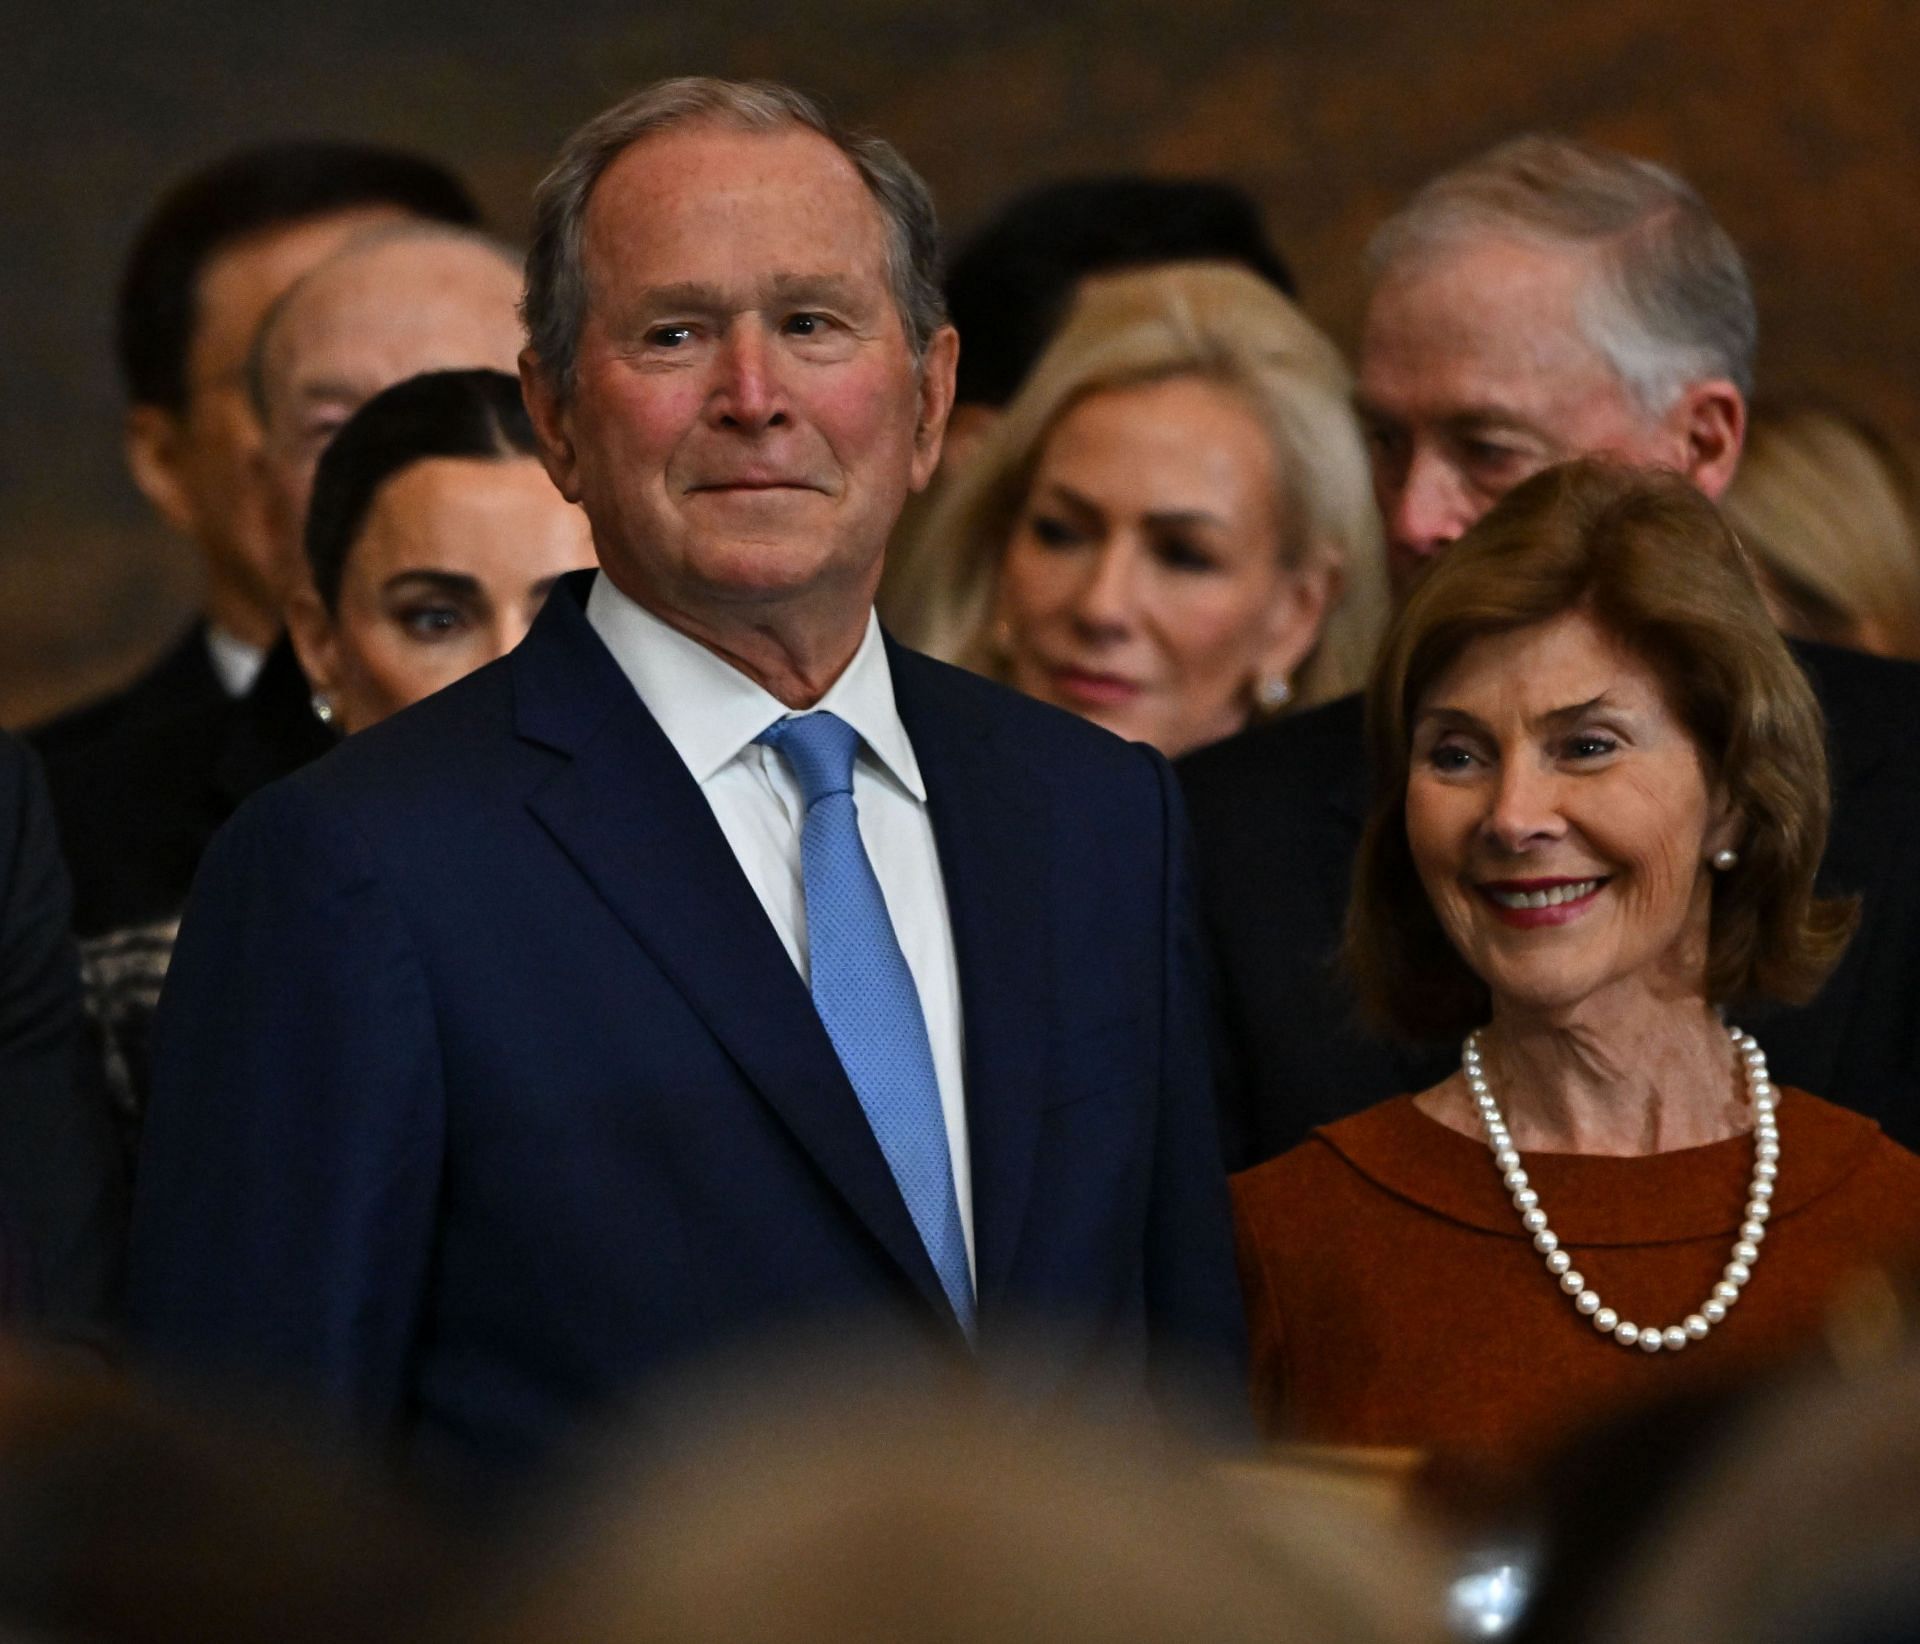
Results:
<point x="1492" y="457"/>
<point x="669" y="336"/>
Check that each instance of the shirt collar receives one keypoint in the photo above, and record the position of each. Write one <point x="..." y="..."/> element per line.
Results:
<point x="711" y="711"/>
<point x="236" y="664"/>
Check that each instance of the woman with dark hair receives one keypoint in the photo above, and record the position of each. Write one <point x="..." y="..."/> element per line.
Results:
<point x="1601" y="799"/>
<point x="433" y="538"/>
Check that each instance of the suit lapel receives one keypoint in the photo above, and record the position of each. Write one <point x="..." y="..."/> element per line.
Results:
<point x="992" y="835"/>
<point x="634" y="822"/>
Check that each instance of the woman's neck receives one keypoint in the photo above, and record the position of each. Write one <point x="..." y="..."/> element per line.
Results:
<point x="1626" y="1078"/>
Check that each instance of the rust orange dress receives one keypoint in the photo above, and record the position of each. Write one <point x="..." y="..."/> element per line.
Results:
<point x="1393" y="1298"/>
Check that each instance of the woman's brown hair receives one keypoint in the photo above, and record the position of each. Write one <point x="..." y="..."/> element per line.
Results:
<point x="1651" y="561"/>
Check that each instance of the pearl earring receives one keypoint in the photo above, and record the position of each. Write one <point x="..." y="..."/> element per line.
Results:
<point x="1273" y="691"/>
<point x="322" y="707"/>
<point x="1726" y="858"/>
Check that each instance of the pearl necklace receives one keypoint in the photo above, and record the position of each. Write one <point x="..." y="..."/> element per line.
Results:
<point x="1746" y="1249"/>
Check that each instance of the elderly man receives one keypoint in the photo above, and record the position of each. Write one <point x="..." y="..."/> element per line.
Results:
<point x="1544" y="301"/>
<point x="706" y="968"/>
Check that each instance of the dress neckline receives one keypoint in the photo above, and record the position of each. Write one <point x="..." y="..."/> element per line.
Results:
<point x="1600" y="1199"/>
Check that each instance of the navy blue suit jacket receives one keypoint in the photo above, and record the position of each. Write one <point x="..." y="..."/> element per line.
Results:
<point x="485" y="1090"/>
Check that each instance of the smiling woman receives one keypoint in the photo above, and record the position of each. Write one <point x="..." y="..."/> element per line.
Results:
<point x="1602" y="801"/>
<point x="433" y="538"/>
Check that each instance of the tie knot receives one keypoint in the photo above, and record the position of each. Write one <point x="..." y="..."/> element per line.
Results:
<point x="819" y="749"/>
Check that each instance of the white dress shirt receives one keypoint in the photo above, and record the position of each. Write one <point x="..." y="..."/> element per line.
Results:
<point x="236" y="664"/>
<point x="711" y="712"/>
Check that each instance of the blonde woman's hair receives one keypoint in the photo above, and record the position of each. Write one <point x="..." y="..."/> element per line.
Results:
<point x="1220" y="324"/>
<point x="1825" y="505"/>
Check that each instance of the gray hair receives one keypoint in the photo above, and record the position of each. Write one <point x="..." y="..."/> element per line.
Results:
<point x="555" y="306"/>
<point x="1671" y="303"/>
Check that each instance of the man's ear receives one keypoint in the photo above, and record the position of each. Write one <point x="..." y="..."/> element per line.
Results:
<point x="1711" y="421"/>
<point x="153" y="439"/>
<point x="552" y="424"/>
<point x="937" y="367"/>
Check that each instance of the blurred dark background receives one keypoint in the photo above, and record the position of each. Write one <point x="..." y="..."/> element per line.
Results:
<point x="1799" y="123"/>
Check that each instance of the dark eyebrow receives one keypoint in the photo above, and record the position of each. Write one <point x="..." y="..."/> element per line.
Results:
<point x="453" y="583"/>
<point x="1460" y="719"/>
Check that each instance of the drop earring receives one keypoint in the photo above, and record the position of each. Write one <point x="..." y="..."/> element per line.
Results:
<point x="1725" y="858"/>
<point x="322" y="707"/>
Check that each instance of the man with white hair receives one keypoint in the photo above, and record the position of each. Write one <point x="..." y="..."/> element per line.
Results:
<point x="1544" y="301"/>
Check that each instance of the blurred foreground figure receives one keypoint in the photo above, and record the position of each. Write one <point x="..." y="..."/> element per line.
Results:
<point x="1545" y="301"/>
<point x="1170" y="532"/>
<point x="1826" y="507"/>
<point x="1806" y="1528"/>
<point x="129" y="1519"/>
<point x="433" y="540"/>
<point x="850" y="1513"/>
<point x="608" y="1006"/>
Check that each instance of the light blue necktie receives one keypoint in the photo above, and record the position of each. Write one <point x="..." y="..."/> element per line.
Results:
<point x="865" y="995"/>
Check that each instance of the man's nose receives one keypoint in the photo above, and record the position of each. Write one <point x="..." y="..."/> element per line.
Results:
<point x="1427" y="509"/>
<point x="747" y="393"/>
<point x="1524" y="808"/>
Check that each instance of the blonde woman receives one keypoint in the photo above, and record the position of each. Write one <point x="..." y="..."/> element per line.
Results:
<point x="1824" y="504"/>
<point x="1172" y="530"/>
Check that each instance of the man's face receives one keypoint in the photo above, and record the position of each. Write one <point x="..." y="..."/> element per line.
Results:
<point x="203" y="455"/>
<point x="1474" y="375"/>
<point x="372" y="318"/>
<point x="747" y="417"/>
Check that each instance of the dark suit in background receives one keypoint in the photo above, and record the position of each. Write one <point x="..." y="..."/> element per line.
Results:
<point x="1277" y="816"/>
<point x="182" y="681"/>
<point x="486" y="1090"/>
<point x="62" y="1182"/>
<point x="138" y="802"/>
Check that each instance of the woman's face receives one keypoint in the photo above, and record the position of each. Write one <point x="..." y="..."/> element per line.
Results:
<point x="1561" y="820"/>
<point x="453" y="563"/>
<point x="1143" y="586"/>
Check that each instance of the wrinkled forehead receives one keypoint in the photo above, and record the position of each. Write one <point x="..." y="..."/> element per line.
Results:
<point x="1482" y="325"/>
<point x="710" y="200"/>
<point x="405" y="313"/>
